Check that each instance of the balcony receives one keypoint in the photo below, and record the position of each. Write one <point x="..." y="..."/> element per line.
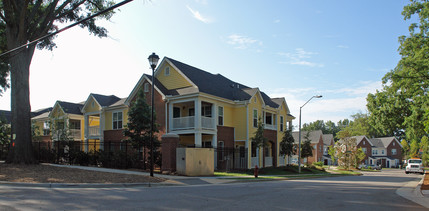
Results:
<point x="188" y="123"/>
<point x="73" y="133"/>
<point x="94" y="131"/>
<point x="270" y="127"/>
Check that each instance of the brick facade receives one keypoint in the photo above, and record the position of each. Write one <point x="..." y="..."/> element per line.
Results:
<point x="225" y="134"/>
<point x="366" y="147"/>
<point x="169" y="144"/>
<point x="271" y="135"/>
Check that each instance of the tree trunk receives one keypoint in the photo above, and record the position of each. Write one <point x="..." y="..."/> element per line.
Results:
<point x="21" y="149"/>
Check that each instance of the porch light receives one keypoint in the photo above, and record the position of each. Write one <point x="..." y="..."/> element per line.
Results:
<point x="299" y="146"/>
<point x="153" y="60"/>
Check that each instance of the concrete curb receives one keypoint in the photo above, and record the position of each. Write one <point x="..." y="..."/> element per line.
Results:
<point x="412" y="191"/>
<point x="86" y="185"/>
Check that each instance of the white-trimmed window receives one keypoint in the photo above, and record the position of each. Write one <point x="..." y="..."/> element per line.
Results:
<point x="167" y="71"/>
<point x="220" y="115"/>
<point x="117" y="120"/>
<point x="374" y="152"/>
<point x="364" y="150"/>
<point x="46" y="128"/>
<point x="394" y="152"/>
<point x="146" y="87"/>
<point x="382" y="151"/>
<point x="281" y="123"/>
<point x="255" y="118"/>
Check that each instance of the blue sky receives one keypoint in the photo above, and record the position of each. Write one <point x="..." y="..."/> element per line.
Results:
<point x="293" y="49"/>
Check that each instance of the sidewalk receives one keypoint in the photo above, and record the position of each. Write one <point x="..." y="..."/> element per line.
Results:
<point x="412" y="191"/>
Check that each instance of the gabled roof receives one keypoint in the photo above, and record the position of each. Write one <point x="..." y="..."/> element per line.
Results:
<point x="218" y="85"/>
<point x="328" y="139"/>
<point x="71" y="108"/>
<point x="105" y="100"/>
<point x="361" y="138"/>
<point x="383" y="142"/>
<point x="313" y="136"/>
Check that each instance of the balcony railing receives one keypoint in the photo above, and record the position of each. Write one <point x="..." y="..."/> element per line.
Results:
<point x="72" y="133"/>
<point x="94" y="131"/>
<point x="186" y="123"/>
<point x="76" y="133"/>
<point x="270" y="127"/>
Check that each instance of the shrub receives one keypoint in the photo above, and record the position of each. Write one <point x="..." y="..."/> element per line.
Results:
<point x="320" y="163"/>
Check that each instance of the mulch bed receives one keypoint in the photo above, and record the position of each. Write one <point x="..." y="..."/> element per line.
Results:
<point x="52" y="174"/>
<point x="425" y="185"/>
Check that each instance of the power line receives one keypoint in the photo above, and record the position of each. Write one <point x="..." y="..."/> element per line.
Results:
<point x="67" y="27"/>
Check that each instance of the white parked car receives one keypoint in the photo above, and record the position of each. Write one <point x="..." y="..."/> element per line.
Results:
<point x="414" y="165"/>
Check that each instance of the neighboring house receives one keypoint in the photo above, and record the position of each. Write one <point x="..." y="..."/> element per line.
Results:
<point x="386" y="152"/>
<point x="210" y="110"/>
<point x="317" y="143"/>
<point x="103" y="115"/>
<point x="63" y="120"/>
<point x="328" y="140"/>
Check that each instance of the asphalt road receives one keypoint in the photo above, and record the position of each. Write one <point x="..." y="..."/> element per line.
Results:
<point x="372" y="191"/>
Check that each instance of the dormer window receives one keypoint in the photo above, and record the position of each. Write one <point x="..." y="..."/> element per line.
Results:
<point x="167" y="71"/>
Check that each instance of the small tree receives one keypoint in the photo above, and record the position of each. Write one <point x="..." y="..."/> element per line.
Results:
<point x="346" y="152"/>
<point x="306" y="149"/>
<point x="333" y="154"/>
<point x="414" y="148"/>
<point x="424" y="146"/>
<point x="405" y="149"/>
<point x="286" y="146"/>
<point x="259" y="140"/>
<point x="359" y="156"/>
<point x="4" y="132"/>
<point x="139" y="124"/>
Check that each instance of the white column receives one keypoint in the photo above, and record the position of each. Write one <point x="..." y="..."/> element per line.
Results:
<point x="86" y="129"/>
<point x="198" y="139"/>
<point x="170" y="116"/>
<point x="102" y="124"/>
<point x="197" y="105"/>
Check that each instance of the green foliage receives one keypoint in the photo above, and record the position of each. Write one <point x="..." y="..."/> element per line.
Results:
<point x="332" y="153"/>
<point x="4" y="132"/>
<point x="424" y="147"/>
<point x="327" y="128"/>
<point x="346" y="151"/>
<point x="414" y="148"/>
<point x="403" y="103"/>
<point x="258" y="139"/>
<point x="359" y="156"/>
<point x="139" y="126"/>
<point x="320" y="163"/>
<point x="358" y="126"/>
<point x="287" y="144"/>
<point x="306" y="148"/>
<point x="405" y="149"/>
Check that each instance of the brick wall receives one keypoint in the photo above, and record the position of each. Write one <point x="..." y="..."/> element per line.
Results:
<point x="271" y="135"/>
<point x="225" y="134"/>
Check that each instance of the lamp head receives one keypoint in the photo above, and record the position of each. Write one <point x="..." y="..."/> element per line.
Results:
<point x="153" y="60"/>
<point x="318" y="96"/>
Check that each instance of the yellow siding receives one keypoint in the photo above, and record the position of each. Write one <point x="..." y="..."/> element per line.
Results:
<point x="94" y="121"/>
<point x="239" y="122"/>
<point x="92" y="106"/>
<point x="57" y="112"/>
<point x="109" y="118"/>
<point x="173" y="81"/>
<point x="254" y="105"/>
<point x="39" y="127"/>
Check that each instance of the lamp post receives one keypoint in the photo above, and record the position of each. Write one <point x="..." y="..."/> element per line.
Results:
<point x="153" y="61"/>
<point x="299" y="146"/>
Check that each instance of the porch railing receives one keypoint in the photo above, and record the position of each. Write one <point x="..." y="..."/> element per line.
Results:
<point x="184" y="123"/>
<point x="94" y="131"/>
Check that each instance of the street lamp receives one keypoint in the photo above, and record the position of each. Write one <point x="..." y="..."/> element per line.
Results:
<point x="153" y="61"/>
<point x="299" y="146"/>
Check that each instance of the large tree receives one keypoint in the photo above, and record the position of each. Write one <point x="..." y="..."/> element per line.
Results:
<point x="22" y="21"/>
<point x="403" y="103"/>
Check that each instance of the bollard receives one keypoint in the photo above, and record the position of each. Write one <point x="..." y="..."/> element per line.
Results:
<point x="255" y="172"/>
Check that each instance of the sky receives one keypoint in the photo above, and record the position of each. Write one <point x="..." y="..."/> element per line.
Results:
<point x="287" y="48"/>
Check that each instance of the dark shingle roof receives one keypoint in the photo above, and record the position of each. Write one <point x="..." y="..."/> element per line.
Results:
<point x="104" y="100"/>
<point x="71" y="108"/>
<point x="217" y="85"/>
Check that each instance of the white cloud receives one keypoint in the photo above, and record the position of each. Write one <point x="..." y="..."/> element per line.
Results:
<point x="198" y="16"/>
<point x="300" y="57"/>
<point x="242" y="42"/>
<point x="342" y="46"/>
<point x="277" y="21"/>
